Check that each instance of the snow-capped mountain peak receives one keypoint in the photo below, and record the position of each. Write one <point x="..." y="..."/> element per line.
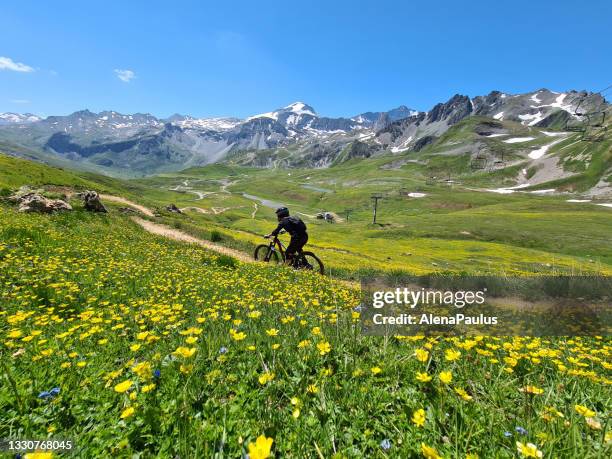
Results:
<point x="213" y="124"/>
<point x="300" y="108"/>
<point x="140" y="140"/>
<point x="296" y="108"/>
<point x="18" y="118"/>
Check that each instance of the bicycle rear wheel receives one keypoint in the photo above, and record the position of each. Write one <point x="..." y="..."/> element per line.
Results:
<point x="264" y="253"/>
<point x="311" y="262"/>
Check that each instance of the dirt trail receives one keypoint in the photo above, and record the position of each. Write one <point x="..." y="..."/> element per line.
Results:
<point x="195" y="209"/>
<point x="177" y="235"/>
<point x="121" y="200"/>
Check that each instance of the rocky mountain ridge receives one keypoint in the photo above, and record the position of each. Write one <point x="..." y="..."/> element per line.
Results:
<point x="146" y="144"/>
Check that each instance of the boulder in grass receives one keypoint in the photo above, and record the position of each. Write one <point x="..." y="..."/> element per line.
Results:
<point x="34" y="202"/>
<point x="92" y="202"/>
<point x="327" y="216"/>
<point x="22" y="192"/>
<point x="174" y="209"/>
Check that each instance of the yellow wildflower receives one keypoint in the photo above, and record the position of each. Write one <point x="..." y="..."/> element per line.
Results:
<point x="261" y="448"/>
<point x="123" y="386"/>
<point x="528" y="450"/>
<point x="429" y="452"/>
<point x="418" y="417"/>
<point x="324" y="347"/>
<point x="127" y="412"/>
<point x="446" y="377"/>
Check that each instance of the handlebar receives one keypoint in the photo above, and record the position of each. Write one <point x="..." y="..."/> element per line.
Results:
<point x="268" y="236"/>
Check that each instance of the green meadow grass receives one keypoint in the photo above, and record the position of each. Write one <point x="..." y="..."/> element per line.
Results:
<point x="162" y="349"/>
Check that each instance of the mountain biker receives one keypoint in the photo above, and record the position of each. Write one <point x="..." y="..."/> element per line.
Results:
<point x="295" y="227"/>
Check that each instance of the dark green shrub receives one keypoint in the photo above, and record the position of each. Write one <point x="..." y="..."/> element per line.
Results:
<point x="226" y="261"/>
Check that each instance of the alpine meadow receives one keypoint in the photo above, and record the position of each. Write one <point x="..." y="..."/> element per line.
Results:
<point x="150" y="309"/>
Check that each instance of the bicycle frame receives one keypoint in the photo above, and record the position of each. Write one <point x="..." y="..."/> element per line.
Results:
<point x="277" y="243"/>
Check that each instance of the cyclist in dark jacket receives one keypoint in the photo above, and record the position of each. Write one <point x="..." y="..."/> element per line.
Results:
<point x="295" y="227"/>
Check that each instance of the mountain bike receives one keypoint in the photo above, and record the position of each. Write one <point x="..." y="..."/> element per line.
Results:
<point x="275" y="252"/>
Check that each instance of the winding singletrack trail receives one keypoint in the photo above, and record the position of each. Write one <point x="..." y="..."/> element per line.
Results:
<point x="126" y="202"/>
<point x="177" y="235"/>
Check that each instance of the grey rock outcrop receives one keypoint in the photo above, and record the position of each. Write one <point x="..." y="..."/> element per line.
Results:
<point x="92" y="202"/>
<point x="34" y="202"/>
<point x="172" y="208"/>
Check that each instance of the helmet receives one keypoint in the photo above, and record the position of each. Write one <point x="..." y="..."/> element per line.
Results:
<point x="282" y="212"/>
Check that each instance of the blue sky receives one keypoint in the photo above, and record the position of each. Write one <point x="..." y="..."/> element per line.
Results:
<point x="343" y="58"/>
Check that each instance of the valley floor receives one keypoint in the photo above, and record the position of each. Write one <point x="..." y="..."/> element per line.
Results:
<point x="420" y="228"/>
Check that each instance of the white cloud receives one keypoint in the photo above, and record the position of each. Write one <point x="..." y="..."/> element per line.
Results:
<point x="20" y="101"/>
<point x="6" y="63"/>
<point x="125" y="75"/>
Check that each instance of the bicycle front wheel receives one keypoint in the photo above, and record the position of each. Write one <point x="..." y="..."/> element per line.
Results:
<point x="264" y="253"/>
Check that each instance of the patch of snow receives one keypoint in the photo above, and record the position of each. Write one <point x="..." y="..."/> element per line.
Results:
<point x="417" y="195"/>
<point x="530" y="119"/>
<point x="537" y="154"/>
<point x="558" y="103"/>
<point x="518" y="139"/>
<point x="272" y="115"/>
<point x="495" y="135"/>
<point x="553" y="134"/>
<point x="535" y="98"/>
<point x="509" y="190"/>
<point x="499" y="116"/>
<point x="323" y="132"/>
<point x="403" y="146"/>
<point x="551" y="190"/>
<point x="605" y="204"/>
<point x="215" y="124"/>
<point x="19" y="118"/>
<point x="578" y="200"/>
<point x="300" y="109"/>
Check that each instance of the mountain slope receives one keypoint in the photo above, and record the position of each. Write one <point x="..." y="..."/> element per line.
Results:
<point x="291" y="136"/>
<point x="115" y="143"/>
